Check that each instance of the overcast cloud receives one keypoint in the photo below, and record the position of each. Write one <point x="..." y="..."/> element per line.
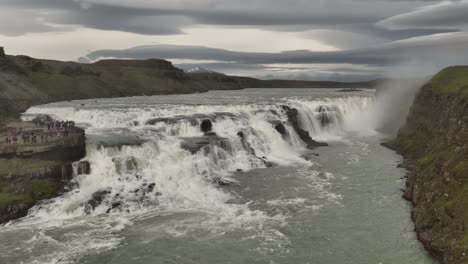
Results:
<point x="307" y="39"/>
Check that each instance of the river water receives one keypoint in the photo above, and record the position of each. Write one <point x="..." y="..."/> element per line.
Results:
<point x="250" y="197"/>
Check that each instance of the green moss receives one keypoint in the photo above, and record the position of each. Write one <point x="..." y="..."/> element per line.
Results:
<point x="461" y="169"/>
<point x="27" y="192"/>
<point x="7" y="199"/>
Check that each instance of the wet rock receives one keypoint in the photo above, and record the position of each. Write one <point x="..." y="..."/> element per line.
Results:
<point x="96" y="200"/>
<point x="83" y="167"/>
<point x="151" y="187"/>
<point x="221" y="182"/>
<point x="292" y="114"/>
<point x="114" y="206"/>
<point x="206" y="126"/>
<point x="281" y="129"/>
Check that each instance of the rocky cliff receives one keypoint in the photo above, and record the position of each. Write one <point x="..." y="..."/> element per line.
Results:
<point x="30" y="173"/>
<point x="434" y="143"/>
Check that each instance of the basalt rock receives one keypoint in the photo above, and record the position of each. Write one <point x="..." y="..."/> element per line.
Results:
<point x="34" y="172"/>
<point x="293" y="119"/>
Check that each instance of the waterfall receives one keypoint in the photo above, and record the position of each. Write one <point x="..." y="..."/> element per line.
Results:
<point x="147" y="157"/>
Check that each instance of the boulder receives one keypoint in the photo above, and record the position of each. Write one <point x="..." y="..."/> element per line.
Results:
<point x="281" y="129"/>
<point x="96" y="200"/>
<point x="2" y="52"/>
<point x="206" y="126"/>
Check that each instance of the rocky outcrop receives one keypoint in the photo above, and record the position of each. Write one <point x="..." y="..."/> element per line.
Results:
<point x="293" y="119"/>
<point x="434" y="143"/>
<point x="34" y="172"/>
<point x="2" y="52"/>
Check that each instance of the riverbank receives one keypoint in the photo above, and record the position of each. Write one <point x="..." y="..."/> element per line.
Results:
<point x="34" y="170"/>
<point x="434" y="143"/>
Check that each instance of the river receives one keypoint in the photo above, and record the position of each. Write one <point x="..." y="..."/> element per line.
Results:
<point x="250" y="197"/>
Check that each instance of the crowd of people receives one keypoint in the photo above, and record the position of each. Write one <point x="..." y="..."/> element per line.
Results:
<point x="45" y="130"/>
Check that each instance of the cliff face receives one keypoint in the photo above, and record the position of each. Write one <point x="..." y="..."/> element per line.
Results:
<point x="434" y="142"/>
<point x="33" y="172"/>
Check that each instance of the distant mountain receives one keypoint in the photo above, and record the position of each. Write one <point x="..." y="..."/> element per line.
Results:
<point x="198" y="69"/>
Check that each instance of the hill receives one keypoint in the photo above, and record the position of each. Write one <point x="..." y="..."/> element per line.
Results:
<point x="26" y="81"/>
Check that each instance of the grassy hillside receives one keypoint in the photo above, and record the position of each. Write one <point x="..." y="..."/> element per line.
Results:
<point x="25" y="81"/>
<point x="434" y="142"/>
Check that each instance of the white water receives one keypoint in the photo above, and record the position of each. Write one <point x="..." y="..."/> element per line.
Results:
<point x="184" y="180"/>
<point x="127" y="156"/>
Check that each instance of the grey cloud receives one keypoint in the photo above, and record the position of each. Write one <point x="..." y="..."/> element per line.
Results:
<point x="421" y="55"/>
<point x="446" y="15"/>
<point x="165" y="17"/>
<point x="15" y="22"/>
<point x="422" y="48"/>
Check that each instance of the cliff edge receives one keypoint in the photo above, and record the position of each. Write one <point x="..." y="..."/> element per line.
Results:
<point x="434" y="143"/>
<point x="31" y="172"/>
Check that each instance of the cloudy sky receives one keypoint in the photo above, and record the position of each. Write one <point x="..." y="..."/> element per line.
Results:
<point x="293" y="39"/>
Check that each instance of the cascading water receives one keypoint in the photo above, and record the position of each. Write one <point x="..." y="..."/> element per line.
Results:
<point x="162" y="160"/>
<point x="163" y="188"/>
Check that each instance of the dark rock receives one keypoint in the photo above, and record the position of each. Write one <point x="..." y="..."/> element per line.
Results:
<point x="83" y="167"/>
<point x="292" y="114"/>
<point x="206" y="126"/>
<point x="96" y="200"/>
<point x="241" y="135"/>
<point x="2" y="52"/>
<point x="151" y="187"/>
<point x="114" y="206"/>
<point x="239" y="170"/>
<point x="221" y="182"/>
<point x="281" y="129"/>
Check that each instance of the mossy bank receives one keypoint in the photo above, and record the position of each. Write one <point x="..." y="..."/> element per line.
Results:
<point x="434" y="143"/>
<point x="30" y="173"/>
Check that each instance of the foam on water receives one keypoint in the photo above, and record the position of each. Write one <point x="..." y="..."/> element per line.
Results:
<point x="183" y="181"/>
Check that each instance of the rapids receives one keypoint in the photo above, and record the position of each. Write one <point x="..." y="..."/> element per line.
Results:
<point x="247" y="194"/>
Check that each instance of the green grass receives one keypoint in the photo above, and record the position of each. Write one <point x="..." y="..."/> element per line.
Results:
<point x="27" y="192"/>
<point x="451" y="80"/>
